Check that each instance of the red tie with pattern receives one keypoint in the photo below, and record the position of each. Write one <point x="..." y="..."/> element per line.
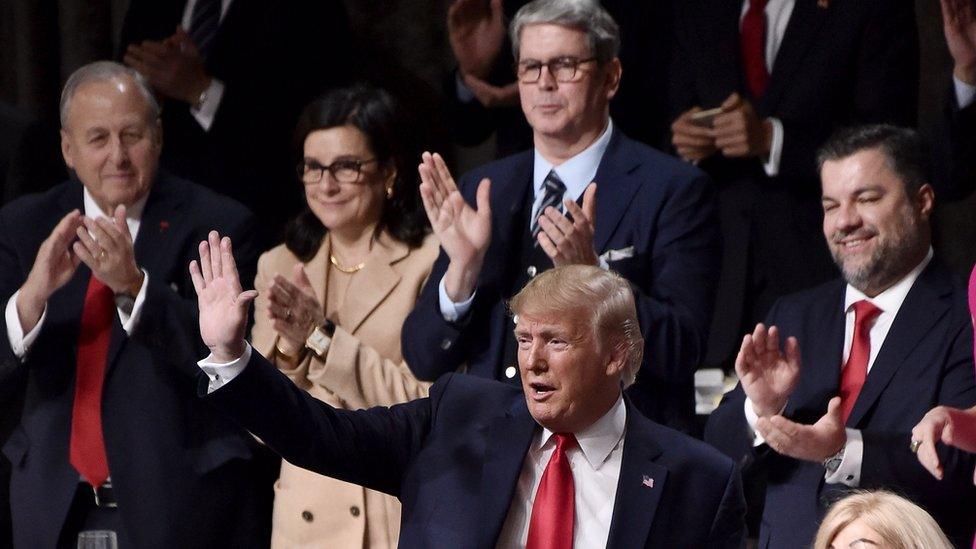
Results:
<point x="87" y="452"/>
<point x="753" y="43"/>
<point x="551" y="525"/>
<point x="856" y="370"/>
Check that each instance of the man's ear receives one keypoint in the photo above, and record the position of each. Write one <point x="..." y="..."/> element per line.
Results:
<point x="67" y="152"/>
<point x="925" y="200"/>
<point x="613" y="75"/>
<point x="617" y="362"/>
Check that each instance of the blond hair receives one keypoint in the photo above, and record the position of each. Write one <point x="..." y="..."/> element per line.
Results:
<point x="603" y="295"/>
<point x="900" y="523"/>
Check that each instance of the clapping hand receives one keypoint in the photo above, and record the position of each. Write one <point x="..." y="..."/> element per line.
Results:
<point x="106" y="248"/>
<point x="53" y="267"/>
<point x="767" y="374"/>
<point x="174" y="66"/>
<point x="293" y="309"/>
<point x="951" y="426"/>
<point x="814" y="443"/>
<point x="959" y="27"/>
<point x="739" y="132"/>
<point x="476" y="30"/>
<point x="223" y="305"/>
<point x="570" y="242"/>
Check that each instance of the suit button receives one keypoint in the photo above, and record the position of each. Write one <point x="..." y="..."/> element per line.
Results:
<point x="354" y="511"/>
<point x="445" y="344"/>
<point x="307" y="516"/>
<point x="531" y="271"/>
<point x="510" y="372"/>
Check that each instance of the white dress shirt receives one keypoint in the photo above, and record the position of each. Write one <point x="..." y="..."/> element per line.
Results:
<point x="965" y="93"/>
<point x="889" y="301"/>
<point x="576" y="173"/>
<point x="205" y="112"/>
<point x="20" y="342"/>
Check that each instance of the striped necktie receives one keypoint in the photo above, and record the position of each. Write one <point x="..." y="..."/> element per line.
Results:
<point x="553" y="189"/>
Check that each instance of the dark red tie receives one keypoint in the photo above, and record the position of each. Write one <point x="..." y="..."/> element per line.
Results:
<point x="753" y="44"/>
<point x="87" y="452"/>
<point x="856" y="370"/>
<point x="551" y="525"/>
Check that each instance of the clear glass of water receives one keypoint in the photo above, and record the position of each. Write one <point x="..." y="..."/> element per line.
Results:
<point x="97" y="539"/>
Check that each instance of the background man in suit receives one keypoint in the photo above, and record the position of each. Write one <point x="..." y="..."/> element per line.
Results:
<point x="652" y="220"/>
<point x="954" y="140"/>
<point x="111" y="435"/>
<point x="865" y="357"/>
<point x="785" y="74"/>
<point x="569" y="463"/>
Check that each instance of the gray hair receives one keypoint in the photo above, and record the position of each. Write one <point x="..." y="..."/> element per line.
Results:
<point x="101" y="71"/>
<point x="588" y="16"/>
<point x="606" y="297"/>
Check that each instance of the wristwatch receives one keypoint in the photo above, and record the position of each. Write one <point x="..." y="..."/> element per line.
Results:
<point x="832" y="463"/>
<point x="321" y="337"/>
<point x="126" y="299"/>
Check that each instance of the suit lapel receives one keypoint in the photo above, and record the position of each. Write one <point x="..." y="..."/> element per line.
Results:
<point x="616" y="187"/>
<point x="801" y="33"/>
<point x="508" y="439"/>
<point x="372" y="285"/>
<point x="511" y="194"/>
<point x="639" y="487"/>
<point x="922" y="309"/>
<point x="822" y="357"/>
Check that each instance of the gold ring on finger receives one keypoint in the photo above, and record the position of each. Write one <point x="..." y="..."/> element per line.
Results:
<point x="914" y="446"/>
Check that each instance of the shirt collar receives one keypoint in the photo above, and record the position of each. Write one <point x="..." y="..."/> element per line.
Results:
<point x="577" y="172"/>
<point x="890" y="300"/>
<point x="600" y="438"/>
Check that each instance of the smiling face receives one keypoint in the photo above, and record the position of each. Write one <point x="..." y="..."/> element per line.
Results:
<point x="876" y="232"/>
<point x="346" y="207"/>
<point x="110" y="141"/>
<point x="565" y="111"/>
<point x="570" y="380"/>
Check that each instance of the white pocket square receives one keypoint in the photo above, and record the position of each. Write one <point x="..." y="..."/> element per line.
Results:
<point x="617" y="255"/>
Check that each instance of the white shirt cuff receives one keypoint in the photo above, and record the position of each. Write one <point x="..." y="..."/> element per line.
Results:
<point x="464" y="93"/>
<point x="771" y="165"/>
<point x="450" y="310"/>
<point x="965" y="93"/>
<point x="221" y="374"/>
<point x="752" y="419"/>
<point x="849" y="472"/>
<point x="20" y="343"/>
<point x="207" y="111"/>
<point x="131" y="319"/>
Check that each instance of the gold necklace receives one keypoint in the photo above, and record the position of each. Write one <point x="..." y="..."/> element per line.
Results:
<point x="347" y="270"/>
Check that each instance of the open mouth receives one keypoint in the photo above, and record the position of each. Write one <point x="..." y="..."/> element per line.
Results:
<point x="540" y="391"/>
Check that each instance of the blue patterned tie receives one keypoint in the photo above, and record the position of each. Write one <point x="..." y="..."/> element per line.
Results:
<point x="554" y="191"/>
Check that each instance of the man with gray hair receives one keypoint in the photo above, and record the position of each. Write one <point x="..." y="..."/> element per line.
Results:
<point x="652" y="220"/>
<point x="565" y="462"/>
<point x="92" y="282"/>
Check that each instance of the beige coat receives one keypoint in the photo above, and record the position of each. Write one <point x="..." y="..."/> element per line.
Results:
<point x="311" y="510"/>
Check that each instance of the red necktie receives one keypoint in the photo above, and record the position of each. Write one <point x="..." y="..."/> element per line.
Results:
<point x="87" y="452"/>
<point x="753" y="44"/>
<point x="856" y="370"/>
<point x="551" y="525"/>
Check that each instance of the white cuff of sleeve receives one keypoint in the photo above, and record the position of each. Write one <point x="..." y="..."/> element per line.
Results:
<point x="752" y="419"/>
<point x="450" y="310"/>
<point x="849" y="472"/>
<point x="965" y="93"/>
<point x="20" y="343"/>
<point x="207" y="111"/>
<point x="221" y="374"/>
<point x="131" y="319"/>
<point x="771" y="164"/>
<point x="464" y="93"/>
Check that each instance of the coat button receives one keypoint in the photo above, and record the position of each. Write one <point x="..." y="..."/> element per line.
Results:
<point x="510" y="372"/>
<point x="531" y="271"/>
<point x="445" y="344"/>
<point x="354" y="511"/>
<point x="307" y="516"/>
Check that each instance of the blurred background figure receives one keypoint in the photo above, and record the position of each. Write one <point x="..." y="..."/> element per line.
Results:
<point x="356" y="257"/>
<point x="879" y="519"/>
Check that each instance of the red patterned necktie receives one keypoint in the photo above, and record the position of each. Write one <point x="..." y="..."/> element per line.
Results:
<point x="551" y="525"/>
<point x="856" y="370"/>
<point x="87" y="452"/>
<point x="753" y="43"/>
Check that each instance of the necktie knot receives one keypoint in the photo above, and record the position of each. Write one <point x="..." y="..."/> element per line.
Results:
<point x="865" y="312"/>
<point x="564" y="442"/>
<point x="757" y="5"/>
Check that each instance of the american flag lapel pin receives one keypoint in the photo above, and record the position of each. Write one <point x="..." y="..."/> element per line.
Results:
<point x="163" y="226"/>
<point x="648" y="481"/>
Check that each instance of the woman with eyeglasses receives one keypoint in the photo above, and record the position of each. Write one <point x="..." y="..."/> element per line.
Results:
<point x="351" y="266"/>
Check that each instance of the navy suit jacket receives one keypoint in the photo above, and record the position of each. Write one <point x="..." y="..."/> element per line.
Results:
<point x="182" y="474"/>
<point x="661" y="208"/>
<point x="455" y="457"/>
<point x="926" y="361"/>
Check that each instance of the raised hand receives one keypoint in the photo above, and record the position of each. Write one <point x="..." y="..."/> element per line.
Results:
<point x="570" y="242"/>
<point x="950" y="426"/>
<point x="223" y="306"/>
<point x="476" y="30"/>
<point x="739" y="132"/>
<point x="53" y="267"/>
<point x="768" y="375"/>
<point x="959" y="27"/>
<point x="815" y="442"/>
<point x="293" y="309"/>
<point x="492" y="96"/>
<point x="691" y="141"/>
<point x="106" y="248"/>
<point x="464" y="232"/>
<point x="174" y="66"/>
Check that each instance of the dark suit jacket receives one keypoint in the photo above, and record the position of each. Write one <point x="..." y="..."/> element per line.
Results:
<point x="926" y="360"/>
<point x="182" y="474"/>
<point x="273" y="57"/>
<point x="853" y="62"/>
<point x="954" y="150"/>
<point x="454" y="459"/>
<point x="662" y="208"/>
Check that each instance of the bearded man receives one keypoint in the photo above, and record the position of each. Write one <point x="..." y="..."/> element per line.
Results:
<point x="831" y="385"/>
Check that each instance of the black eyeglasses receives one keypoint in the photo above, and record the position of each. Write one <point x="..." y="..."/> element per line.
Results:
<point x="343" y="171"/>
<point x="563" y="69"/>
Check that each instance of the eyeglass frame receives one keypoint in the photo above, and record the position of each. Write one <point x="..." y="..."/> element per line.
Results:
<point x="517" y="67"/>
<point x="300" y="170"/>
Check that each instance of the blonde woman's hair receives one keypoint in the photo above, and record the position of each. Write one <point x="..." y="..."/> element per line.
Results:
<point x="900" y="523"/>
<point x="602" y="295"/>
